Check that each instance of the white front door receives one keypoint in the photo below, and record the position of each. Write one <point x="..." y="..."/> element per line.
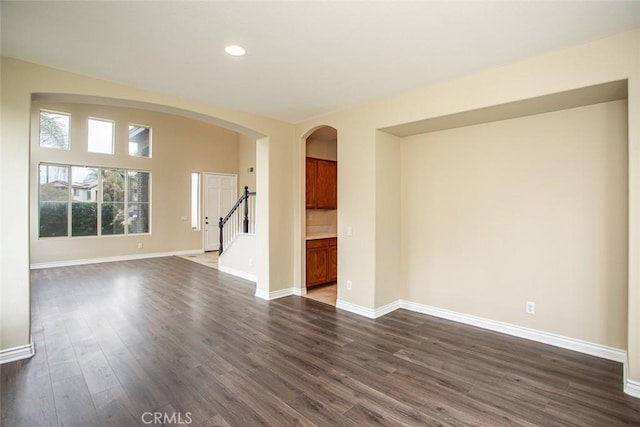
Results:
<point x="220" y="193"/>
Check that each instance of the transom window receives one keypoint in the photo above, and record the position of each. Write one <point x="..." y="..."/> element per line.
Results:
<point x="100" y="136"/>
<point x="54" y="130"/>
<point x="139" y="141"/>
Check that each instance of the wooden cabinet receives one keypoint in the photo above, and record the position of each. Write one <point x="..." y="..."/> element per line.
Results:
<point x="322" y="261"/>
<point x="333" y="260"/>
<point x="311" y="174"/>
<point x="322" y="184"/>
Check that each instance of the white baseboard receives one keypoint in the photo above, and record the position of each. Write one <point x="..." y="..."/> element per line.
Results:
<point x="67" y="263"/>
<point x="300" y="291"/>
<point x="387" y="308"/>
<point x="357" y="309"/>
<point x="632" y="388"/>
<point x="580" y="346"/>
<point x="274" y="294"/>
<point x="17" y="353"/>
<point x="368" y="312"/>
<point x="242" y="274"/>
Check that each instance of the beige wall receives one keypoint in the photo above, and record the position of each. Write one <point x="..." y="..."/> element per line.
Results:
<point x="322" y="149"/>
<point x="180" y="146"/>
<point x="388" y="244"/>
<point x="246" y="160"/>
<point x="529" y="209"/>
<point x="14" y="216"/>
<point x="360" y="260"/>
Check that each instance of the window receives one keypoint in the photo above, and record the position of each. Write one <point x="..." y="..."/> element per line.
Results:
<point x="138" y="202"/>
<point x="195" y="201"/>
<point x="84" y="207"/>
<point x="139" y="141"/>
<point x="53" y="200"/>
<point x="54" y="130"/>
<point x="101" y="202"/>
<point x="113" y="201"/>
<point x="100" y="136"/>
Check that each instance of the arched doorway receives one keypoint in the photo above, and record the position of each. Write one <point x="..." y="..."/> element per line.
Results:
<point x="320" y="215"/>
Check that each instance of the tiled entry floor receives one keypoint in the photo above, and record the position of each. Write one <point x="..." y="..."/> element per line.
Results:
<point x="210" y="259"/>
<point x="325" y="293"/>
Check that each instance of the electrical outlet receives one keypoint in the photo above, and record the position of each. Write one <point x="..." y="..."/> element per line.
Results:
<point x="349" y="231"/>
<point x="140" y="245"/>
<point x="531" y="307"/>
<point x="250" y="262"/>
<point x="349" y="285"/>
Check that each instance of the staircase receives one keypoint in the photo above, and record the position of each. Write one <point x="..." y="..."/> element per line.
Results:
<point x="241" y="219"/>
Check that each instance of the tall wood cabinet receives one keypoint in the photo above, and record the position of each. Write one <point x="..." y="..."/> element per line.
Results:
<point x="322" y="184"/>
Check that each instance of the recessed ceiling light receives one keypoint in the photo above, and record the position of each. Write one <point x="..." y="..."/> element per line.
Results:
<point x="235" y="50"/>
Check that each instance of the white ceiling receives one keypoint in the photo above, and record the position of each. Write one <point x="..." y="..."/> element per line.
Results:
<point x="304" y="59"/>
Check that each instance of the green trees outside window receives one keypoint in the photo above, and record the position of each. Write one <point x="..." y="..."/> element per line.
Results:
<point x="53" y="200"/>
<point x="54" y="130"/>
<point x="113" y="186"/>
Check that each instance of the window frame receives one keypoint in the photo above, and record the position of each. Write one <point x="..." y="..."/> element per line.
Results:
<point x="196" y="205"/>
<point x="99" y="201"/>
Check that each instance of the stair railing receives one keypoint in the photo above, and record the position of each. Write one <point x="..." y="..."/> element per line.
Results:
<point x="238" y="220"/>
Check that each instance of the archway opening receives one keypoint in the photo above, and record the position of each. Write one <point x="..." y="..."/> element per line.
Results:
<point x="320" y="215"/>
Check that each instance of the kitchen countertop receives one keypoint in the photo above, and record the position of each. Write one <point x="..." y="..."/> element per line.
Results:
<point x="316" y="236"/>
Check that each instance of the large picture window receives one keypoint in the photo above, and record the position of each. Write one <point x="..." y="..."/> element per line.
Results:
<point x="99" y="201"/>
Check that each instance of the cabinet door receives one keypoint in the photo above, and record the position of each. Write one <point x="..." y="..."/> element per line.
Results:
<point x="333" y="260"/>
<point x="327" y="185"/>
<point x="317" y="262"/>
<point x="311" y="179"/>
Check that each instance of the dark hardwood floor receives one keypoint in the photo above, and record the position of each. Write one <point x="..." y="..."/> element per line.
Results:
<point x="121" y="343"/>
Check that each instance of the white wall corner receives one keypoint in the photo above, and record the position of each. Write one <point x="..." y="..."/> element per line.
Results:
<point x="300" y="291"/>
<point x="17" y="353"/>
<point x="241" y="274"/>
<point x="368" y="312"/>
<point x="266" y="295"/>
<point x="387" y="308"/>
<point x="357" y="309"/>
<point x="632" y="388"/>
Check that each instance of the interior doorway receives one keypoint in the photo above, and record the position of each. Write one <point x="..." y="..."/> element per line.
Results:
<point x="220" y="193"/>
<point x="320" y="253"/>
